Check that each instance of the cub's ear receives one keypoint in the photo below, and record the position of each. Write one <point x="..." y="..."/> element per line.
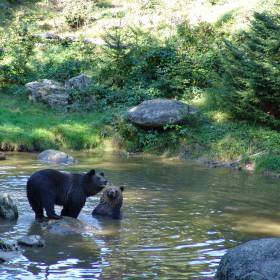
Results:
<point x="102" y="174"/>
<point x="91" y="172"/>
<point x="122" y="188"/>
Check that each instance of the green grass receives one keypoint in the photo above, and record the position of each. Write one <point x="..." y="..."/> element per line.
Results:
<point x="25" y="126"/>
<point x="121" y="80"/>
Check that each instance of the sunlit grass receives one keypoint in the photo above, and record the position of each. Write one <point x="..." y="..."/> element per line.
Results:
<point x="26" y="126"/>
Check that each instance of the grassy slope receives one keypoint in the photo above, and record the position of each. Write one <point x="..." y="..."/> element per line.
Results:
<point x="25" y="126"/>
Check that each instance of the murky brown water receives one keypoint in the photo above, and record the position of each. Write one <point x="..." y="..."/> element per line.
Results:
<point x="179" y="219"/>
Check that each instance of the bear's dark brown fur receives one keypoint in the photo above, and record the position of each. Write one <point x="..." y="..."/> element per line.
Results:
<point x="110" y="203"/>
<point x="47" y="188"/>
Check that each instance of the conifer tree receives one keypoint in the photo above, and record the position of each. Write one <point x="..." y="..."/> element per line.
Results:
<point x="252" y="69"/>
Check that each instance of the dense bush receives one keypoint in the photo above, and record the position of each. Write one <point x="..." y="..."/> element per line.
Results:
<point x="136" y="63"/>
<point x="251" y="70"/>
<point x="79" y="13"/>
<point x="17" y="49"/>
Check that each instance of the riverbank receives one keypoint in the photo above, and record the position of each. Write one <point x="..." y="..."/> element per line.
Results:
<point x="207" y="139"/>
<point x="192" y="58"/>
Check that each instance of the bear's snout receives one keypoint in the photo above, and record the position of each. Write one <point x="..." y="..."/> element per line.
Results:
<point x="112" y="194"/>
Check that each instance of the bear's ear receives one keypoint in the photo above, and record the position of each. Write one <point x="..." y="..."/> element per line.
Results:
<point x="122" y="188"/>
<point x="91" y="172"/>
<point x="102" y="174"/>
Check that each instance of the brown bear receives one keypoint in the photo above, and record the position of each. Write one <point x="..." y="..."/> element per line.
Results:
<point x="110" y="203"/>
<point x="47" y="188"/>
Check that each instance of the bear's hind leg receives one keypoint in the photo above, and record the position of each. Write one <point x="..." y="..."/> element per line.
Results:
<point x="48" y="203"/>
<point x="37" y="208"/>
<point x="71" y="212"/>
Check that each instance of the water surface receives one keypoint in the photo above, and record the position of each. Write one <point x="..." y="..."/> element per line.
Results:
<point x="179" y="220"/>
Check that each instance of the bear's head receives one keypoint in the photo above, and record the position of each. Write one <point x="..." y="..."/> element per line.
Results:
<point x="110" y="202"/>
<point x="113" y="195"/>
<point x="94" y="182"/>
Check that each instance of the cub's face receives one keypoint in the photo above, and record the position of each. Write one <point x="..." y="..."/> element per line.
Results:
<point x="113" y="196"/>
<point x="97" y="182"/>
<point x="113" y="193"/>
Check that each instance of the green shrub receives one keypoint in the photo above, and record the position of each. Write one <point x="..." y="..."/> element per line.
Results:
<point x="268" y="162"/>
<point x="251" y="68"/>
<point x="78" y="13"/>
<point x="18" y="48"/>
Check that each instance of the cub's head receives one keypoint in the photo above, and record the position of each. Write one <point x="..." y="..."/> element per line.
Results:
<point x="110" y="203"/>
<point x="95" y="182"/>
<point x="113" y="196"/>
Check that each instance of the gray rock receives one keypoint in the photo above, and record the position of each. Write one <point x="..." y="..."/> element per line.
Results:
<point x="48" y="92"/>
<point x="58" y="100"/>
<point x="159" y="112"/>
<point x="67" y="226"/>
<point x="2" y="156"/>
<point x="58" y="96"/>
<point x="54" y="156"/>
<point x="49" y="36"/>
<point x="8" y="251"/>
<point x="32" y="241"/>
<point x="79" y="82"/>
<point x="8" y="209"/>
<point x="94" y="41"/>
<point x="254" y="260"/>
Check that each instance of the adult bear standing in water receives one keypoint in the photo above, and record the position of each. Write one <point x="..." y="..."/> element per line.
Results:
<point x="47" y="188"/>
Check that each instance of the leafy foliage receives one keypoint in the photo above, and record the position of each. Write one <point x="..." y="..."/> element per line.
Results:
<point x="252" y="69"/>
<point x="18" y="46"/>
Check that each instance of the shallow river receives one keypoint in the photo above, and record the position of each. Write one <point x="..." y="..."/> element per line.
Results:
<point x="179" y="220"/>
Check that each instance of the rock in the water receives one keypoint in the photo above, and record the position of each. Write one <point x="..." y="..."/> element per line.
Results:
<point x="79" y="82"/>
<point x="8" y="251"/>
<point x="32" y="241"/>
<point x="254" y="260"/>
<point x="54" y="156"/>
<point x="8" y="209"/>
<point x="2" y="156"/>
<point x="67" y="226"/>
<point x="49" y="92"/>
<point x="159" y="112"/>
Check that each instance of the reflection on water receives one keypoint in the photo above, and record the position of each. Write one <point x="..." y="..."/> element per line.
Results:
<point x="179" y="219"/>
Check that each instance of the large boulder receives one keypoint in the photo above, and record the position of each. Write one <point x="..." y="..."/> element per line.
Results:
<point x="54" y="156"/>
<point x="79" y="82"/>
<point x="66" y="226"/>
<point x="48" y="92"/>
<point x="254" y="260"/>
<point x="8" y="209"/>
<point x="159" y="112"/>
<point x="59" y="96"/>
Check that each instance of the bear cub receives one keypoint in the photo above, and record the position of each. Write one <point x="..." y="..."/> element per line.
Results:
<point x="110" y="203"/>
<point x="47" y="188"/>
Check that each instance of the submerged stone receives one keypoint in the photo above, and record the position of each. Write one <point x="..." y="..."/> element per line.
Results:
<point x="67" y="226"/>
<point x="8" y="209"/>
<point x="2" y="156"/>
<point x="32" y="241"/>
<point x="54" y="156"/>
<point x="8" y="251"/>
